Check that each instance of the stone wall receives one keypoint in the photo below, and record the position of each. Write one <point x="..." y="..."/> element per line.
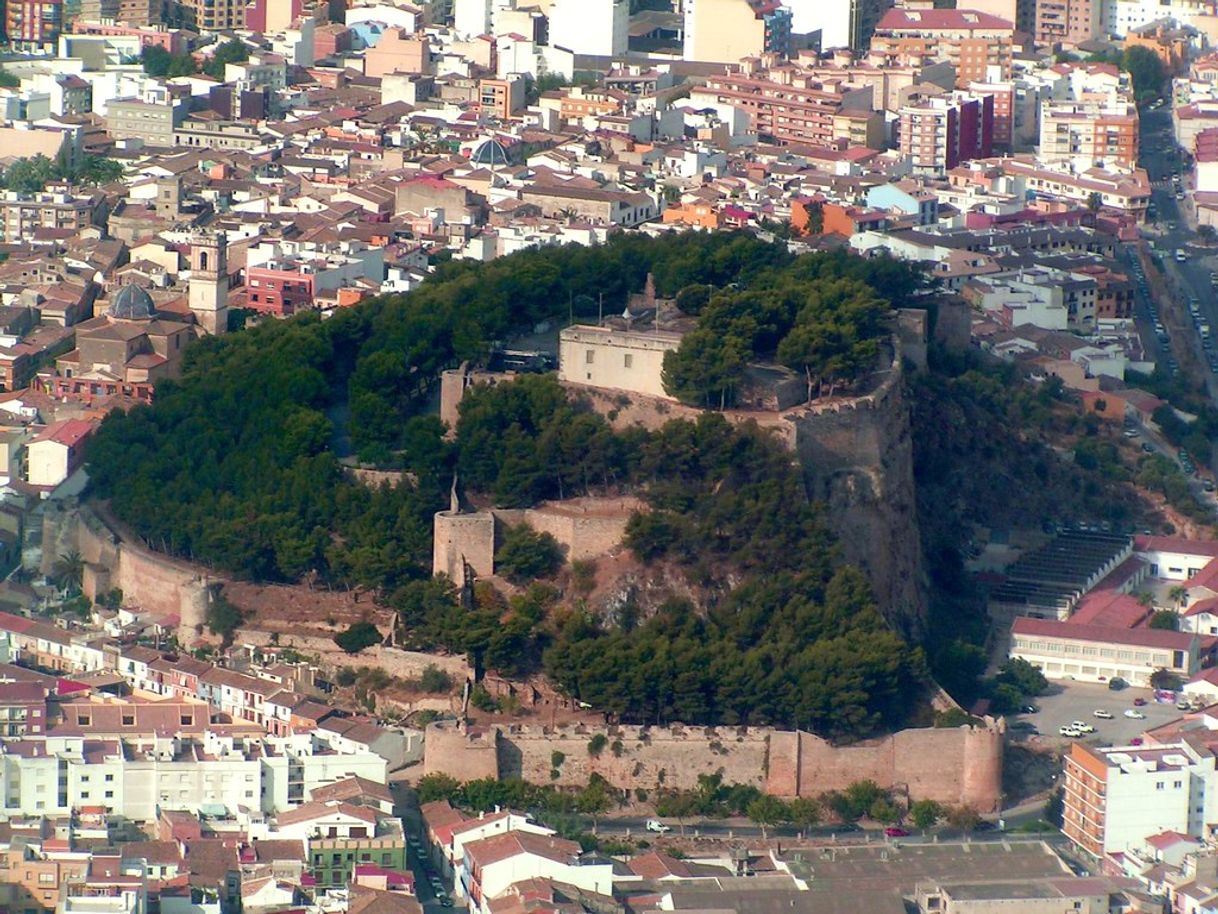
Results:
<point x="155" y="582"/>
<point x="584" y="528"/>
<point x="857" y="457"/>
<point x="394" y="661"/>
<point x="957" y="766"/>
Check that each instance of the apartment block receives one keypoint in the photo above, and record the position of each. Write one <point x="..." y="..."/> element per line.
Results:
<point x="1067" y="23"/>
<point x="792" y="107"/>
<point x="977" y="44"/>
<point x="1118" y="796"/>
<point x="725" y="31"/>
<point x="939" y="133"/>
<point x="23" y="214"/>
<point x="33" y="23"/>
<point x="1090" y="133"/>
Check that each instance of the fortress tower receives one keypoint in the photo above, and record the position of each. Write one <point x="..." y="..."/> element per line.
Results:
<point x="208" y="287"/>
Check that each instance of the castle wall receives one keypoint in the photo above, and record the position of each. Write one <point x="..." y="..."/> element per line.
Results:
<point x="584" y="527"/>
<point x="957" y="766"/>
<point x="156" y="582"/>
<point x="394" y="661"/>
<point x="467" y="755"/>
<point x="857" y="457"/>
<point x="648" y="757"/>
<point x="461" y="539"/>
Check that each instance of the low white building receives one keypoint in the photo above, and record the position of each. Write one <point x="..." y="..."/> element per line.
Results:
<point x="1100" y="653"/>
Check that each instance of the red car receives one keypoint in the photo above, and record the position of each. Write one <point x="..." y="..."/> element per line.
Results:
<point x="893" y="832"/>
<point x="1139" y="702"/>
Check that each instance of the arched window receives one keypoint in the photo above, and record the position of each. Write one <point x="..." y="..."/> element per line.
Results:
<point x="203" y="260"/>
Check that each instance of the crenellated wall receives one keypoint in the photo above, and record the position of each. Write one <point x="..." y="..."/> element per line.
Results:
<point x="955" y="766"/>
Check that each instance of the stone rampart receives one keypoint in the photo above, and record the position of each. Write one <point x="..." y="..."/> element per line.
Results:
<point x="956" y="766"/>
<point x="147" y="579"/>
<point x="394" y="661"/>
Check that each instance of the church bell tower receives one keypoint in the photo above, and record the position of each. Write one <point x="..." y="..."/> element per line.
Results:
<point x="208" y="286"/>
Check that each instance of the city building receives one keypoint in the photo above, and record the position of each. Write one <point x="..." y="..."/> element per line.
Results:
<point x="1067" y="23"/>
<point x="1098" y="653"/>
<point x="1089" y="134"/>
<point x="978" y="45"/>
<point x="942" y="131"/>
<point x="793" y="107"/>
<point x="22" y="215"/>
<point x="724" y="31"/>
<point x="57" y="452"/>
<point x="1118" y="796"/>
<point x="596" y="27"/>
<point x="33" y="23"/>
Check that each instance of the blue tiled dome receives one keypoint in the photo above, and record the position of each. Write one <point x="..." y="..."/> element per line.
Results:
<point x="131" y="303"/>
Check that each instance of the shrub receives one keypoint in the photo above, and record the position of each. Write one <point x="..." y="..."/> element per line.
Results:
<point x="527" y="555"/>
<point x="597" y="744"/>
<point x="357" y="637"/>
<point x="345" y="677"/>
<point x="435" y="679"/>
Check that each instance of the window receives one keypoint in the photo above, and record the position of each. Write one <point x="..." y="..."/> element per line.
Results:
<point x="628" y="360"/>
<point x="589" y="356"/>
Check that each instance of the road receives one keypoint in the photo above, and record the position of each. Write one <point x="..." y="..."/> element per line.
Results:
<point x="1173" y="229"/>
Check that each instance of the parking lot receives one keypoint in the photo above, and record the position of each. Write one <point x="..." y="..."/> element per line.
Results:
<point x="1071" y="701"/>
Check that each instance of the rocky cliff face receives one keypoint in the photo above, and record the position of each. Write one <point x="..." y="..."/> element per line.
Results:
<point x="857" y="457"/>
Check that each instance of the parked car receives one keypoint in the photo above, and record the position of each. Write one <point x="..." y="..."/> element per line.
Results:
<point x="893" y="831"/>
<point x="1134" y="714"/>
<point x="655" y="825"/>
<point x="1029" y="709"/>
<point x="1069" y="731"/>
<point x="1139" y="702"/>
<point x="1082" y="726"/>
<point x="1136" y="741"/>
<point x="1102" y="714"/>
<point x="1116" y="683"/>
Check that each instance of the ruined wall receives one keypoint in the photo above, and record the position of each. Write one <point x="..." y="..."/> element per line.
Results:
<point x="394" y="661"/>
<point x="584" y="527"/>
<point x="156" y="582"/>
<point x="461" y="539"/>
<point x="958" y="766"/>
<point x="467" y="754"/>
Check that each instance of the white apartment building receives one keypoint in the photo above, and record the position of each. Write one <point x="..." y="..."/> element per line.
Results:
<point x="1119" y="17"/>
<point x="1118" y="796"/>
<point x="134" y="778"/>
<point x="590" y="26"/>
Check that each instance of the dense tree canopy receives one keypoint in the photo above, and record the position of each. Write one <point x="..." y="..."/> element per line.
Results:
<point x="235" y="465"/>
<point x="820" y="314"/>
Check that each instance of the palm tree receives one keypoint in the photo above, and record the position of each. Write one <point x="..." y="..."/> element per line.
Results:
<point x="68" y="572"/>
<point x="1178" y="595"/>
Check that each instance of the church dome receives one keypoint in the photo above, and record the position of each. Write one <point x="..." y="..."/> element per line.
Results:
<point x="492" y="153"/>
<point x="131" y="303"/>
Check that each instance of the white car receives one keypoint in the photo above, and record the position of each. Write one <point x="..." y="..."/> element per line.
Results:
<point x="1134" y="714"/>
<point x="1082" y="726"/>
<point x="657" y="826"/>
<point x="1102" y="714"/>
<point x="1069" y="731"/>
